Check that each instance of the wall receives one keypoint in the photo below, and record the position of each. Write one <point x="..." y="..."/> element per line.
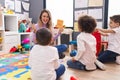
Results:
<point x="35" y="8"/>
<point x="2" y="2"/>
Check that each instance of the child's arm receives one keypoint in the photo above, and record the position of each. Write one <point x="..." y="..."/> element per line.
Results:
<point x="103" y="34"/>
<point x="106" y="30"/>
<point x="80" y="48"/>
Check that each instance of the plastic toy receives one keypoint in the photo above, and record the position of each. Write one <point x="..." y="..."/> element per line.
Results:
<point x="21" y="49"/>
<point x="26" y="46"/>
<point x="73" y="53"/>
<point x="26" y="41"/>
<point x="73" y="78"/>
<point x="13" y="49"/>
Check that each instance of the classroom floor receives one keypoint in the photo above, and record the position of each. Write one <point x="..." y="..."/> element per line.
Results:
<point x="112" y="72"/>
<point x="14" y="67"/>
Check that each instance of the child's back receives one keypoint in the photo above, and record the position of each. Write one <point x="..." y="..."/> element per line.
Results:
<point x="44" y="60"/>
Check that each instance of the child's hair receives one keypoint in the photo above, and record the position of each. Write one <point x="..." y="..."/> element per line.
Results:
<point x="86" y="24"/>
<point x="43" y="36"/>
<point x="115" y="18"/>
<point x="49" y="24"/>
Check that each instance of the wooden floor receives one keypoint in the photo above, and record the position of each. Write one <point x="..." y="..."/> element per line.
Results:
<point x="112" y="72"/>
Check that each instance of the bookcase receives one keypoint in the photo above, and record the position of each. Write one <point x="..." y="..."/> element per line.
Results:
<point x="9" y="35"/>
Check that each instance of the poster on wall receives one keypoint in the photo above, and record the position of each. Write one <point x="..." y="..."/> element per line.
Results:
<point x="26" y="6"/>
<point x="76" y="26"/>
<point x="81" y="3"/>
<point x="94" y="3"/>
<point x="9" y="4"/>
<point x="80" y="13"/>
<point x="96" y="13"/>
<point x="17" y="6"/>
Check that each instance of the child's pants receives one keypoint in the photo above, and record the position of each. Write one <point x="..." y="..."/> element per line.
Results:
<point x="60" y="71"/>
<point x="76" y="65"/>
<point x="61" y="48"/>
<point x="107" y="56"/>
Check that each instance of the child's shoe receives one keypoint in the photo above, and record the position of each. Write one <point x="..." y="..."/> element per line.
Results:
<point x="118" y="60"/>
<point x="100" y="65"/>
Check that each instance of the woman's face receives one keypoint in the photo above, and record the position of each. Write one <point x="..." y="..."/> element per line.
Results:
<point x="45" y="18"/>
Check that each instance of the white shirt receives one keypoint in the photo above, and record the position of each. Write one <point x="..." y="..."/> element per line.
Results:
<point x="86" y="47"/>
<point x="114" y="41"/>
<point x="43" y="61"/>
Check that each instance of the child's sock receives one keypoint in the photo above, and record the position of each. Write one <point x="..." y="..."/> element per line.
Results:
<point x="118" y="60"/>
<point x="100" y="65"/>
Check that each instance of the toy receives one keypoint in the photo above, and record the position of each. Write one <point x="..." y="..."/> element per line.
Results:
<point x="25" y="41"/>
<point x="59" y="23"/>
<point x="73" y="78"/>
<point x="22" y="26"/>
<point x="13" y="49"/>
<point x="26" y="46"/>
<point x="73" y="53"/>
<point x="20" y="49"/>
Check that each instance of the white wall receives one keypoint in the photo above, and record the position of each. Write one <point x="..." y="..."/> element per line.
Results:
<point x="61" y="9"/>
<point x="113" y="8"/>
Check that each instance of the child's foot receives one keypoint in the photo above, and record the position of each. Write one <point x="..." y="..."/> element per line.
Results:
<point x="118" y="60"/>
<point x="100" y="65"/>
<point x="61" y="55"/>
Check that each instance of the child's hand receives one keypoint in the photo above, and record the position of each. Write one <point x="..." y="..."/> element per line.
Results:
<point x="73" y="59"/>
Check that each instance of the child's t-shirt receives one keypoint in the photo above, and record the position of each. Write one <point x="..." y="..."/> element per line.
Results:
<point x="114" y="41"/>
<point x="86" y="47"/>
<point x="43" y="61"/>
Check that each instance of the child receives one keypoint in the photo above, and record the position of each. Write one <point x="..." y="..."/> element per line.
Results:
<point x="43" y="59"/>
<point x="86" y="46"/>
<point x="112" y="53"/>
<point x="46" y="22"/>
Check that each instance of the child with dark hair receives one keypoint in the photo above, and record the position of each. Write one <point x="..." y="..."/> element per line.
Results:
<point x="43" y="59"/>
<point x="112" y="54"/>
<point x="86" y="46"/>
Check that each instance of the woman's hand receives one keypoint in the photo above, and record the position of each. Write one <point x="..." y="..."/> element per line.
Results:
<point x="61" y="30"/>
<point x="33" y="28"/>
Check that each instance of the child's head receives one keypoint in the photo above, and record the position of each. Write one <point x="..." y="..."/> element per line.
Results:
<point x="45" y="18"/>
<point x="114" y="21"/>
<point x="43" y="36"/>
<point x="86" y="24"/>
